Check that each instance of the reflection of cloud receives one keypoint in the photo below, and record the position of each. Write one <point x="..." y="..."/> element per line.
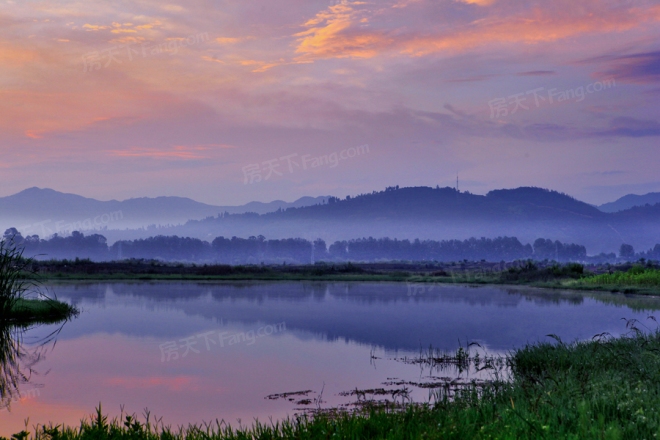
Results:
<point x="177" y="383"/>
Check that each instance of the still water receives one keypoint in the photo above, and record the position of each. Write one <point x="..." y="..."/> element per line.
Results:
<point x="193" y="352"/>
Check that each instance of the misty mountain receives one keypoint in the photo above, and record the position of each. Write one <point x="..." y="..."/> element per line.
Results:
<point x="437" y="214"/>
<point x="630" y="201"/>
<point x="45" y="211"/>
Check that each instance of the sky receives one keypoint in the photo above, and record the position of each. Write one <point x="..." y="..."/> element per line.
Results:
<point x="230" y="101"/>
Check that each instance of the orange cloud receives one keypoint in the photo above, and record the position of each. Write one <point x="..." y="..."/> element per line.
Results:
<point x="118" y="28"/>
<point x="33" y="134"/>
<point x="127" y="40"/>
<point x="480" y="2"/>
<point x="149" y="25"/>
<point x="338" y="32"/>
<point x="227" y="40"/>
<point x="16" y="56"/>
<point x="94" y="27"/>
<point x="331" y="34"/>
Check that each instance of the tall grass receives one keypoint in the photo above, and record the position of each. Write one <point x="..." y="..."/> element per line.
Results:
<point x="14" y="285"/>
<point x="22" y="302"/>
<point x="636" y="276"/>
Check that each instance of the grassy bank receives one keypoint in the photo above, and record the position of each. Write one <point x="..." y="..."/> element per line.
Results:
<point x="637" y="276"/>
<point x="623" y="278"/>
<point x="461" y="272"/>
<point x="604" y="388"/>
<point x="44" y="311"/>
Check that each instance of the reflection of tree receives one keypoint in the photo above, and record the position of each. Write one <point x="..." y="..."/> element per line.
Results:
<point x="17" y="361"/>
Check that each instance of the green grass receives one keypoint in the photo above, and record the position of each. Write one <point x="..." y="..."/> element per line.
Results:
<point x="44" y="311"/>
<point x="602" y="389"/>
<point x="637" y="276"/>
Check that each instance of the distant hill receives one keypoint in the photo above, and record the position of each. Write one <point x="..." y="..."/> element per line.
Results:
<point x="46" y="211"/>
<point x="404" y="213"/>
<point x="439" y="214"/>
<point x="630" y="201"/>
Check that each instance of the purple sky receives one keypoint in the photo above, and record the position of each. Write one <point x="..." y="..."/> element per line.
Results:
<point x="120" y="99"/>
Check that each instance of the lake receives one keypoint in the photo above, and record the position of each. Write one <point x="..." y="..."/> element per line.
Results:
<point x="193" y="352"/>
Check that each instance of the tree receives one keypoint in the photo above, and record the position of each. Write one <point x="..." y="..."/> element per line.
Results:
<point x="626" y="251"/>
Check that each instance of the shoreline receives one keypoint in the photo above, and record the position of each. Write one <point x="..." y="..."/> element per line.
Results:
<point x="396" y="273"/>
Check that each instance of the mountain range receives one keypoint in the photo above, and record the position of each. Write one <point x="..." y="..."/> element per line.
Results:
<point x="46" y="211"/>
<point x="630" y="201"/>
<point x="406" y="213"/>
<point x="443" y="214"/>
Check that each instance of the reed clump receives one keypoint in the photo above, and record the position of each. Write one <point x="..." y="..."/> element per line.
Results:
<point x="13" y="284"/>
<point x="21" y="300"/>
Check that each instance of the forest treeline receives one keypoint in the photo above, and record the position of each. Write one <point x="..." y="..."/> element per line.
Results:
<point x="255" y="250"/>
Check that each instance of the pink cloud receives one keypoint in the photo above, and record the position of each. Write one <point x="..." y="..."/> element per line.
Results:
<point x="181" y="152"/>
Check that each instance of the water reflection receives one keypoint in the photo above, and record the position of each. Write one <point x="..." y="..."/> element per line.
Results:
<point x="18" y="361"/>
<point x="373" y="314"/>
<point x="11" y="356"/>
<point x="193" y="352"/>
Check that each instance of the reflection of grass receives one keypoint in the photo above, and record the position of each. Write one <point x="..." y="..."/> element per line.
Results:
<point x="604" y="388"/>
<point x="633" y="302"/>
